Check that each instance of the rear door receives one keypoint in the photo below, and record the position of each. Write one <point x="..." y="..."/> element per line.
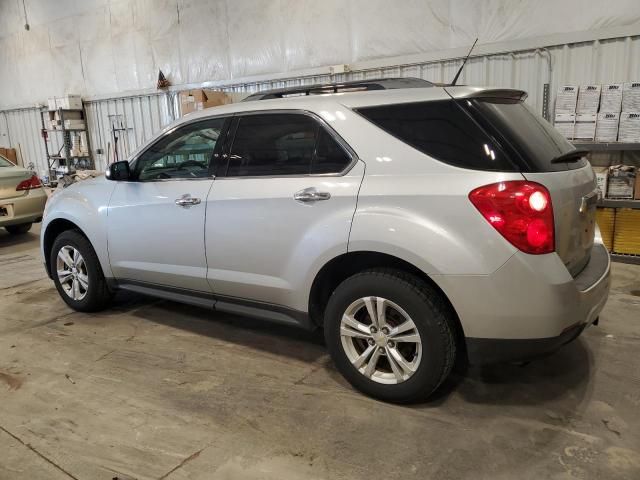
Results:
<point x="280" y="207"/>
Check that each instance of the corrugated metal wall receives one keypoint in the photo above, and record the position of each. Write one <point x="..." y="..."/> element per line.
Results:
<point x="616" y="60"/>
<point x="20" y="129"/>
<point x="135" y="119"/>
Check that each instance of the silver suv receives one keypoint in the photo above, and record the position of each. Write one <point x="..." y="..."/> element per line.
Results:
<point x="417" y="224"/>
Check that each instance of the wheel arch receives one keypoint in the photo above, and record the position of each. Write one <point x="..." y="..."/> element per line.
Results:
<point x="53" y="229"/>
<point x="345" y="265"/>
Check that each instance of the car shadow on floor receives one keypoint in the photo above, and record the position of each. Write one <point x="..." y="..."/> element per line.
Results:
<point x="259" y="334"/>
<point x="20" y="243"/>
<point x="564" y="373"/>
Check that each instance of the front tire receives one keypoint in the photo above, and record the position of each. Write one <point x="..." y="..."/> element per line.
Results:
<point x="18" y="229"/>
<point x="77" y="273"/>
<point x="391" y="335"/>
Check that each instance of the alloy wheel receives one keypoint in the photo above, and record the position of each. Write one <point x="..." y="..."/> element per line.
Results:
<point x="380" y="340"/>
<point x="72" y="272"/>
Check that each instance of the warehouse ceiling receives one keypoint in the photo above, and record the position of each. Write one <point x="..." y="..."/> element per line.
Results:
<point x="95" y="47"/>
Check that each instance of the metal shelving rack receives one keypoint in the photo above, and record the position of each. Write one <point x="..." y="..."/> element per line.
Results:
<point x="68" y="160"/>
<point x="614" y="148"/>
<point x="607" y="147"/>
<point x="622" y="203"/>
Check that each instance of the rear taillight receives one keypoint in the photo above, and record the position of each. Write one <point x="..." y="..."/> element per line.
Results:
<point x="33" y="182"/>
<point x="521" y="211"/>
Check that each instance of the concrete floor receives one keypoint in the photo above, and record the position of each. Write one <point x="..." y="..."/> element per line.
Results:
<point x="159" y="390"/>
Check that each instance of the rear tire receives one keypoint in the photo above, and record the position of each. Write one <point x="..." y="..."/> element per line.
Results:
<point x="409" y="362"/>
<point x="19" y="229"/>
<point x="77" y="273"/>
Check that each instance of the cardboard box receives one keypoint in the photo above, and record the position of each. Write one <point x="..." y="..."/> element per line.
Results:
<point x="629" y="130"/>
<point x="566" y="99"/>
<point x="622" y="180"/>
<point x="565" y="124"/>
<point x="631" y="97"/>
<point x="611" y="98"/>
<point x="607" y="127"/>
<point x="74" y="125"/>
<point x="585" y="127"/>
<point x="588" y="99"/>
<point x="602" y="176"/>
<point x="68" y="102"/>
<point x="10" y="154"/>
<point x="199" y="99"/>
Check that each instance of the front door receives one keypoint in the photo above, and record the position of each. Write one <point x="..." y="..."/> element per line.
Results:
<point x="156" y="220"/>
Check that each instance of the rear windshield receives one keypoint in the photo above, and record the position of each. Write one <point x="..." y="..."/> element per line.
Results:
<point x="523" y="133"/>
<point x="479" y="134"/>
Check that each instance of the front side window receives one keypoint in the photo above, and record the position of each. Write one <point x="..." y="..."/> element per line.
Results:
<point x="281" y="144"/>
<point x="5" y="163"/>
<point x="185" y="153"/>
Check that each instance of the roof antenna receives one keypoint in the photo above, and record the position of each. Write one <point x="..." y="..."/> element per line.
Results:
<point x="455" y="79"/>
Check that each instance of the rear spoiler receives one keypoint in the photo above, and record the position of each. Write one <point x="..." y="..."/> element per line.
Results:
<point x="478" y="92"/>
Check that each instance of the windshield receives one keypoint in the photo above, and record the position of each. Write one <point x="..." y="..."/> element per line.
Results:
<point x="524" y="132"/>
<point x="5" y="163"/>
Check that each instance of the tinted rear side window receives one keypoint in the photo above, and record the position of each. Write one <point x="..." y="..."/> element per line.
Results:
<point x="272" y="144"/>
<point x="330" y="157"/>
<point x="443" y="130"/>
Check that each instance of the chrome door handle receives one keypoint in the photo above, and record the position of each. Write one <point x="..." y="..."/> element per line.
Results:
<point x="187" y="200"/>
<point x="310" y="194"/>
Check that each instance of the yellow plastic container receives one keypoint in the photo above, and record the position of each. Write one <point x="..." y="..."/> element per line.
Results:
<point x="626" y="238"/>
<point x="606" y="219"/>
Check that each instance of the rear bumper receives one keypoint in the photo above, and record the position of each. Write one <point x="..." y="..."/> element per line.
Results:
<point x="528" y="307"/>
<point x="24" y="209"/>
<point x="482" y="351"/>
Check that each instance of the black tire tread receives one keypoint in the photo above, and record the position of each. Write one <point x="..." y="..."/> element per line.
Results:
<point x="19" y="229"/>
<point x="101" y="296"/>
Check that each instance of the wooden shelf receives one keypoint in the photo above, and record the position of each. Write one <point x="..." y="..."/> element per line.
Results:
<point x="622" y="203"/>
<point x="606" y="147"/>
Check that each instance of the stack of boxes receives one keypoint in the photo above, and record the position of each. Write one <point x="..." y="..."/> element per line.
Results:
<point x="199" y="99"/>
<point x="565" y="118"/>
<point x="587" y="112"/>
<point x="604" y="113"/>
<point x="72" y="120"/>
<point x="630" y="116"/>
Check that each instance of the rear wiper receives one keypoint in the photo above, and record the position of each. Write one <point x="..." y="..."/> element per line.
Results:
<point x="569" y="157"/>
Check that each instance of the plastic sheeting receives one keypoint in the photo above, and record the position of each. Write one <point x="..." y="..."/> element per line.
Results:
<point x="143" y="115"/>
<point x="96" y="47"/>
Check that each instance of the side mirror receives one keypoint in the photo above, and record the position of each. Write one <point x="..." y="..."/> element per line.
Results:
<point x="118" y="171"/>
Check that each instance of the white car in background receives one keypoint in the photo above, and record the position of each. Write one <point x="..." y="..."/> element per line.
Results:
<point x="22" y="198"/>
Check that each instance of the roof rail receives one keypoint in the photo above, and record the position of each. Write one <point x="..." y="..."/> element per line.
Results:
<point x="353" y="86"/>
